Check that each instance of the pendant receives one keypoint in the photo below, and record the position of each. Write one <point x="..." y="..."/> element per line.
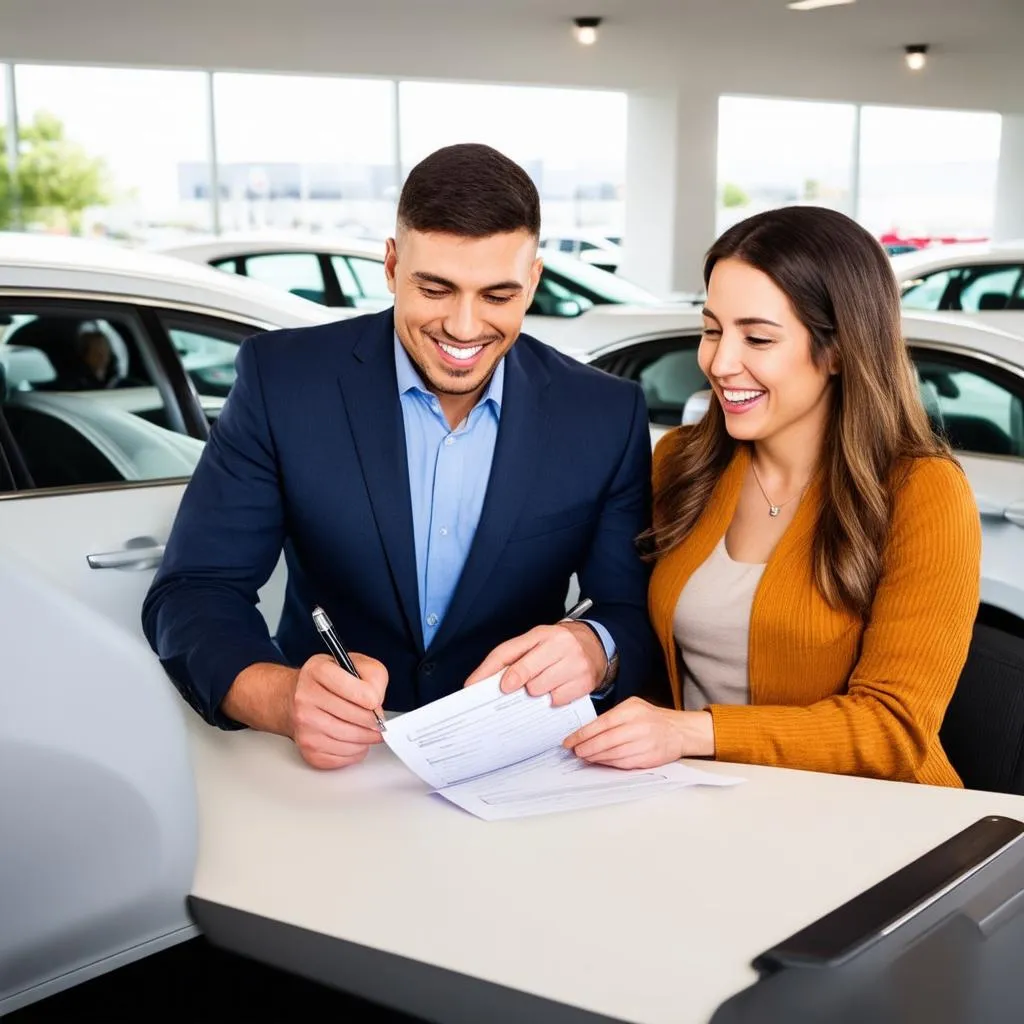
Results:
<point x="774" y="510"/>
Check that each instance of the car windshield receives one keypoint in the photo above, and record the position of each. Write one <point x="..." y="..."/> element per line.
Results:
<point x="609" y="288"/>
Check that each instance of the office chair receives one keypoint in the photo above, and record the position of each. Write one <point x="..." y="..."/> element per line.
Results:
<point x="983" y="731"/>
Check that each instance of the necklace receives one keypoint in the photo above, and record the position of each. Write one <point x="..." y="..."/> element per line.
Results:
<point x="773" y="509"/>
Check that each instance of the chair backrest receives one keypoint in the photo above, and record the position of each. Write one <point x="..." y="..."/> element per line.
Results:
<point x="983" y="732"/>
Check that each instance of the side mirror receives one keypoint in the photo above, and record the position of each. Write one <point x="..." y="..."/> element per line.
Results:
<point x="696" y="406"/>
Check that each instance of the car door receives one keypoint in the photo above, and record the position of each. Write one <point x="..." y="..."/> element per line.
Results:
<point x="96" y="790"/>
<point x="978" y="404"/>
<point x="666" y="369"/>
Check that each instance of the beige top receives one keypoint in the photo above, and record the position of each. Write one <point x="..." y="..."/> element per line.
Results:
<point x="712" y="626"/>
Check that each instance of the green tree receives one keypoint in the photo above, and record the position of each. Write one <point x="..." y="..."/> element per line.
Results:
<point x="733" y="196"/>
<point x="812" y="189"/>
<point x="57" y="179"/>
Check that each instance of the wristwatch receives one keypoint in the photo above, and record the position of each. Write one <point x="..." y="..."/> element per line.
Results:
<point x="608" y="679"/>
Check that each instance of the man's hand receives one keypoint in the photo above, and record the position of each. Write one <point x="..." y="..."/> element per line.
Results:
<point x="566" y="660"/>
<point x="331" y="716"/>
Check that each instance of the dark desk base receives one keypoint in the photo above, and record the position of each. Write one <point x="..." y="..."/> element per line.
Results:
<point x="425" y="991"/>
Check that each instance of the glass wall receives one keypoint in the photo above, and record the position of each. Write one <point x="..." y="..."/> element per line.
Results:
<point x="911" y="176"/>
<point x="928" y="175"/>
<point x="780" y="152"/>
<point x="103" y="150"/>
<point x="579" y="172"/>
<point x="314" y="154"/>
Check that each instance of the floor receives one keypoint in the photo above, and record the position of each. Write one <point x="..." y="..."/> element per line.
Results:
<point x="194" y="983"/>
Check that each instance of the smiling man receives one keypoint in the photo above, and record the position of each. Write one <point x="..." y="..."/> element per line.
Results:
<point x="434" y="479"/>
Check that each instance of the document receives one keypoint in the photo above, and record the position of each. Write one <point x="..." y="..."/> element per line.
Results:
<point x="500" y="755"/>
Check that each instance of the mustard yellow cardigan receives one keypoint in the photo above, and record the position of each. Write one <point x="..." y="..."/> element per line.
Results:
<point x="828" y="691"/>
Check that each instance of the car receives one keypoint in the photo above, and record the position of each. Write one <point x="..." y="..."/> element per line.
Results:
<point x="982" y="281"/>
<point x="588" y="246"/>
<point x="98" y="795"/>
<point x="350" y="273"/>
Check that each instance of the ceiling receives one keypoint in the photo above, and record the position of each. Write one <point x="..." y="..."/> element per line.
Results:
<point x="851" y="52"/>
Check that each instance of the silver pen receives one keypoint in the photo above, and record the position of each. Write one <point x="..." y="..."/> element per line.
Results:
<point x="326" y="630"/>
<point x="578" y="610"/>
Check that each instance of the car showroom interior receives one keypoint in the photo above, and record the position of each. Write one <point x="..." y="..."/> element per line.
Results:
<point x="512" y="511"/>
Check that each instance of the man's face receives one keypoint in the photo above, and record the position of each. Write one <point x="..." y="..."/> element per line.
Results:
<point x="460" y="302"/>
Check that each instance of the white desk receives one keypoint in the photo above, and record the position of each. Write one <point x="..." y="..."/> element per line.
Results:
<point x="647" y="912"/>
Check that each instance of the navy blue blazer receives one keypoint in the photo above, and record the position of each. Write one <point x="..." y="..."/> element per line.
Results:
<point x="308" y="456"/>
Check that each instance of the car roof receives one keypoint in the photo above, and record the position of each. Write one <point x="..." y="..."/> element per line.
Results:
<point x="243" y="243"/>
<point x="912" y="264"/>
<point x="606" y="329"/>
<point x="49" y="262"/>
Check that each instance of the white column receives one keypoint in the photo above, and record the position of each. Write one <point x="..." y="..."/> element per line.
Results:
<point x="1009" y="221"/>
<point x="671" y="188"/>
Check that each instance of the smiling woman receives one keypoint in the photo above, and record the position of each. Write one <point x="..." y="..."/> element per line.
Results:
<point x="818" y="549"/>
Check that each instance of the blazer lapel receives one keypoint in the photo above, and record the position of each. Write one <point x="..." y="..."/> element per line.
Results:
<point x="520" y="444"/>
<point x="370" y="389"/>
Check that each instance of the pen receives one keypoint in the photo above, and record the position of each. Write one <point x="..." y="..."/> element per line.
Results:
<point x="578" y="610"/>
<point x="337" y="648"/>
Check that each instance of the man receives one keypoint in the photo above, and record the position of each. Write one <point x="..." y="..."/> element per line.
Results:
<point x="434" y="480"/>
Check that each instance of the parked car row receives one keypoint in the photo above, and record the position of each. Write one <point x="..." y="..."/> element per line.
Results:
<point x="113" y="365"/>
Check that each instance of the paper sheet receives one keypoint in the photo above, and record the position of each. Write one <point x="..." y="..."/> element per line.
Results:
<point x="499" y="755"/>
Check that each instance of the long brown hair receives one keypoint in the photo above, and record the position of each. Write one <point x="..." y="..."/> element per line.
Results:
<point x="841" y="286"/>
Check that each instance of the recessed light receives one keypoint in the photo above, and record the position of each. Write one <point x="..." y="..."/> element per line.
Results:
<point x="813" y="5"/>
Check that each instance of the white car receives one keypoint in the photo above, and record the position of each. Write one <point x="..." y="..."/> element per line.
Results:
<point x="588" y="246"/>
<point x="97" y="796"/>
<point x="349" y="273"/>
<point x="985" y="282"/>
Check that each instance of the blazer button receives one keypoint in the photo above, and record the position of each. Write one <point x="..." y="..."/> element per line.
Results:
<point x="427" y="668"/>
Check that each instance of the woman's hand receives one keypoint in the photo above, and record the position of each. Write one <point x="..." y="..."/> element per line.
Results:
<point x="635" y="734"/>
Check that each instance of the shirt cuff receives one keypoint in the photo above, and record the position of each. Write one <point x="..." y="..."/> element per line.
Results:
<point x="609" y="650"/>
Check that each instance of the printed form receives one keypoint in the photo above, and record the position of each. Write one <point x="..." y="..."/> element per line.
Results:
<point x="500" y="755"/>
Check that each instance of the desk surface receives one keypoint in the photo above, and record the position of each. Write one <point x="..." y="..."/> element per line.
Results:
<point x="648" y="912"/>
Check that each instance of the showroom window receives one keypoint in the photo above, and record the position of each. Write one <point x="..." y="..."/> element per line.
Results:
<point x="328" y="164"/>
<point x="133" y="146"/>
<point x="580" y="173"/>
<point x="928" y="174"/>
<point x="774" y="152"/>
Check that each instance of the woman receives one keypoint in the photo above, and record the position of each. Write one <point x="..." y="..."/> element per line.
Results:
<point x="818" y="549"/>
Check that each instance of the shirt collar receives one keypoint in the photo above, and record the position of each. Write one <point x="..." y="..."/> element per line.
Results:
<point x="409" y="379"/>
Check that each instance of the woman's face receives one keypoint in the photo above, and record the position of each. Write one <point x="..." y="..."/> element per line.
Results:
<point x="757" y="355"/>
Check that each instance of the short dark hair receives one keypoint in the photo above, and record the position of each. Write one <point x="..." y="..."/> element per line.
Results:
<point x="469" y="190"/>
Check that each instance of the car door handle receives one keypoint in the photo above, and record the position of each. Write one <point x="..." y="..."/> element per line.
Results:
<point x="138" y="553"/>
<point x="1014" y="514"/>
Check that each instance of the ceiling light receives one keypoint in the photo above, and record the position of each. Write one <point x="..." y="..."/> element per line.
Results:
<point x="586" y="30"/>
<point x="916" y="56"/>
<point x="813" y="5"/>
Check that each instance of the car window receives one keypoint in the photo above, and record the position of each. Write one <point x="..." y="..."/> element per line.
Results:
<point x="554" y="298"/>
<point x="84" y="397"/>
<point x="207" y="348"/>
<point x="976" y="408"/>
<point x="347" y="282"/>
<point x="373" y="282"/>
<point x="295" y="272"/>
<point x="926" y="292"/>
<point x="984" y="289"/>
<point x="666" y="370"/>
<point x="229" y="266"/>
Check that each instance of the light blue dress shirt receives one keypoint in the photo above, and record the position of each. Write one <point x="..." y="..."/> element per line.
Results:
<point x="448" y="475"/>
